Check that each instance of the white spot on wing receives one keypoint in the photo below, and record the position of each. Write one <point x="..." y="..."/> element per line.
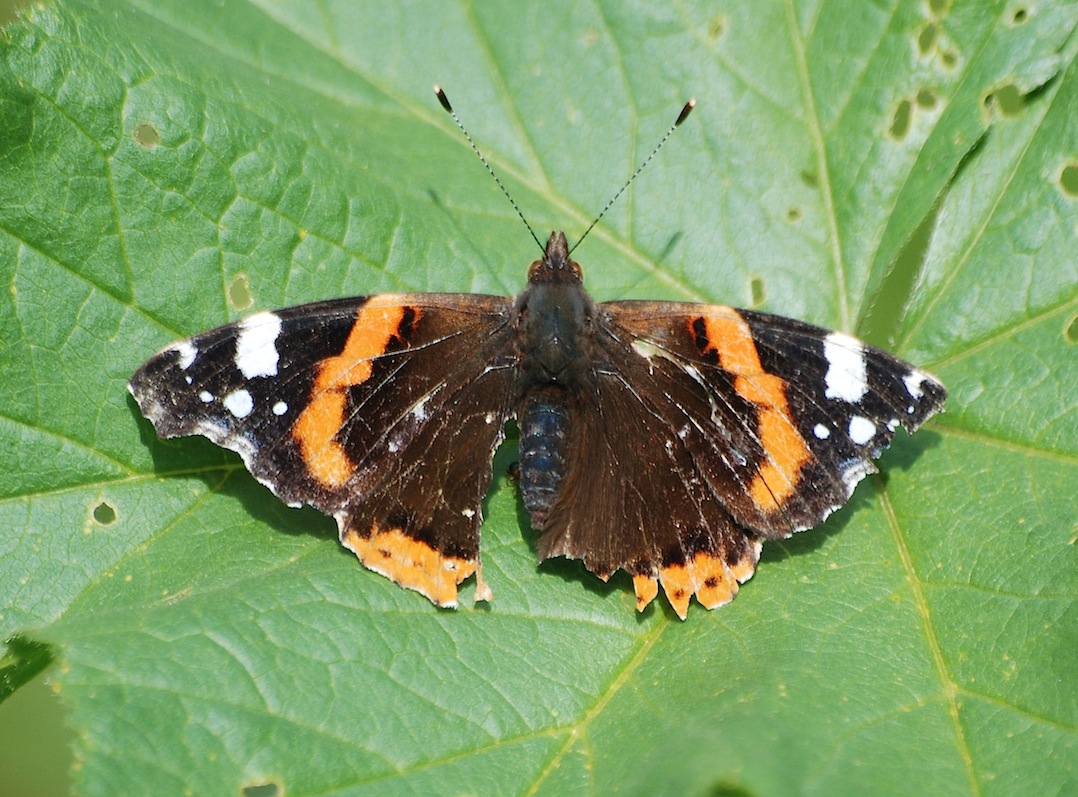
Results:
<point x="239" y="403"/>
<point x="847" y="373"/>
<point x="256" y="345"/>
<point x="913" y="381"/>
<point x="821" y="431"/>
<point x="206" y="396"/>
<point x="468" y="513"/>
<point x="861" y="429"/>
<point x="419" y="411"/>
<point x="187" y="353"/>
<point x="280" y="408"/>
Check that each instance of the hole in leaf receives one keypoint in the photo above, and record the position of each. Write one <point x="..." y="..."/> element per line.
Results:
<point x="810" y="178"/>
<point x="900" y="124"/>
<point x="926" y="98"/>
<point x="759" y="295"/>
<point x="926" y="39"/>
<point x="239" y="292"/>
<point x="1070" y="334"/>
<point x="939" y="7"/>
<point x="793" y="215"/>
<point x="270" y="789"/>
<point x="717" y="28"/>
<point x="1019" y="16"/>
<point x="1068" y="180"/>
<point x="1008" y="99"/>
<point x="147" y="135"/>
<point x="104" y="514"/>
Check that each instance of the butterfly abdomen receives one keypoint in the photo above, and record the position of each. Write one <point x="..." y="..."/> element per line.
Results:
<point x="544" y="427"/>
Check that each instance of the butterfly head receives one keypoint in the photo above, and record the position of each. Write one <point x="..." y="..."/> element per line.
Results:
<point x="556" y="267"/>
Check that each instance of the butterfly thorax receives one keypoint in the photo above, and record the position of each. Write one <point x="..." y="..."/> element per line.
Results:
<point x="556" y="369"/>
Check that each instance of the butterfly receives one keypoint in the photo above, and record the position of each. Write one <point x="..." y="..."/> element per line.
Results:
<point x="668" y="440"/>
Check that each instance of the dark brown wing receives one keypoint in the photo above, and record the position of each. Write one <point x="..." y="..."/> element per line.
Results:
<point x="711" y="429"/>
<point x="381" y="411"/>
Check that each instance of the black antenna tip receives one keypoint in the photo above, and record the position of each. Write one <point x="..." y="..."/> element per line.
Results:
<point x="681" y="116"/>
<point x="685" y="111"/>
<point x="444" y="100"/>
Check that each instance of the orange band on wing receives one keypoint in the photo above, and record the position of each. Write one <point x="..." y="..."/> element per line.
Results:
<point x="776" y="478"/>
<point x="314" y="430"/>
<point x="377" y="323"/>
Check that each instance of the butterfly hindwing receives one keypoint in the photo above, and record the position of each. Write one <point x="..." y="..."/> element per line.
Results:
<point x="764" y="425"/>
<point x="381" y="411"/>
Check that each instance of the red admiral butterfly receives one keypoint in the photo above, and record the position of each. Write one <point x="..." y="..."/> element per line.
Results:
<point x="665" y="439"/>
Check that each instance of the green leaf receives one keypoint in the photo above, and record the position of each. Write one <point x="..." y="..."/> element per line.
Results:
<point x="901" y="169"/>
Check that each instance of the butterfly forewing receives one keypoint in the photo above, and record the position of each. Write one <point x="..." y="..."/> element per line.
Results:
<point x="382" y="411"/>
<point x="816" y="406"/>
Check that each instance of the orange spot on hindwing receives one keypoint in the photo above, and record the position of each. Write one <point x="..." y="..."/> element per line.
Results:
<point x="646" y="589"/>
<point x="776" y="476"/>
<point x="678" y="587"/>
<point x="709" y="577"/>
<point x="715" y="585"/>
<point x="315" y="431"/>
<point x="409" y="562"/>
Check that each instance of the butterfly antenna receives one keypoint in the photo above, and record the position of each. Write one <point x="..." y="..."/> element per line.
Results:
<point x="685" y="111"/>
<point x="444" y="100"/>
